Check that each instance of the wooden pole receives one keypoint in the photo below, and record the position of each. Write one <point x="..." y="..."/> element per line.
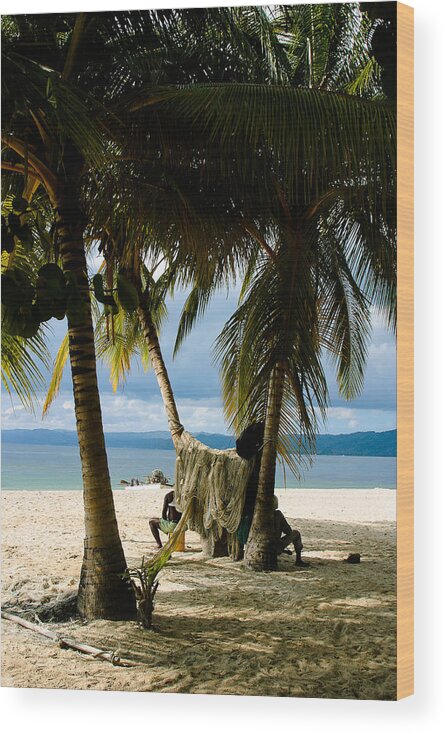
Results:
<point x="69" y="642"/>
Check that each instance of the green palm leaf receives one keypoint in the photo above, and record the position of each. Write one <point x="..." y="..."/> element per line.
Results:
<point x="56" y="376"/>
<point x="321" y="137"/>
<point x="22" y="363"/>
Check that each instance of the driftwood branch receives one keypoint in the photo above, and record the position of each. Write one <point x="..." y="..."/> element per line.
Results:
<point x="69" y="642"/>
<point x="30" y="625"/>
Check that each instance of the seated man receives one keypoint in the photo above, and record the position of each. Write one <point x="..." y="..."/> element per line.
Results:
<point x="170" y="516"/>
<point x="285" y="535"/>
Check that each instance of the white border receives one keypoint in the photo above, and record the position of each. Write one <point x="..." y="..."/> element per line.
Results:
<point x="74" y="711"/>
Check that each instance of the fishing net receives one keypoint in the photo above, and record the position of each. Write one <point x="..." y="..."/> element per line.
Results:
<point x="215" y="480"/>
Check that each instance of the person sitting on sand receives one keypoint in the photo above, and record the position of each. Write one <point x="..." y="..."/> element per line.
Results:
<point x="285" y="535"/>
<point x="170" y="516"/>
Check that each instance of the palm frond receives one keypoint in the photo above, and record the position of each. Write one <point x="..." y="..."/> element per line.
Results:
<point x="22" y="364"/>
<point x="276" y="324"/>
<point x="118" y="353"/>
<point x="56" y="377"/>
<point x="321" y="138"/>
<point x="364" y="231"/>
<point x="32" y="91"/>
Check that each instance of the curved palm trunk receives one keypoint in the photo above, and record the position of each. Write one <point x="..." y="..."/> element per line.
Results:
<point x="103" y="593"/>
<point x="260" y="553"/>
<point x="211" y="547"/>
<point x="159" y="367"/>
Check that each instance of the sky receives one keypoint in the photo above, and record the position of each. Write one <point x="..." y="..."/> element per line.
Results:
<point x="137" y="406"/>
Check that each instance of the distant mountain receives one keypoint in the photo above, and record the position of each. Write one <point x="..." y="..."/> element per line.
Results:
<point x="363" y="443"/>
<point x="366" y="443"/>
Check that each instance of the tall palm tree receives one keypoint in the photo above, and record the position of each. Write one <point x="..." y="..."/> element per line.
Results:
<point x="50" y="135"/>
<point x="332" y="257"/>
<point x="314" y="294"/>
<point x="337" y="166"/>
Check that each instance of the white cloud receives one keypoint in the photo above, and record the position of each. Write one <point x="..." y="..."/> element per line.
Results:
<point x="121" y="413"/>
<point x="341" y="413"/>
<point x="381" y="349"/>
<point x="346" y="420"/>
<point x="12" y="410"/>
<point x="138" y="407"/>
<point x="132" y="414"/>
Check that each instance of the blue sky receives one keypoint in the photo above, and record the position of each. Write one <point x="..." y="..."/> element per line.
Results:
<point x="136" y="406"/>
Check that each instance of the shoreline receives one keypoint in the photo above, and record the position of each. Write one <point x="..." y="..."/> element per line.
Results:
<point x="277" y="489"/>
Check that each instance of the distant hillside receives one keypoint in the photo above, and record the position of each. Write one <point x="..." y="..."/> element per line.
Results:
<point x="368" y="443"/>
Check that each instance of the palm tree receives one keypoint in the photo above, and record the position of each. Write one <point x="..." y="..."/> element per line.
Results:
<point x="50" y="135"/>
<point x="331" y="170"/>
<point x="332" y="257"/>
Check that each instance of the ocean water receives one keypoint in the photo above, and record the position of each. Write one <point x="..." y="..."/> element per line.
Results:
<point x="43" y="467"/>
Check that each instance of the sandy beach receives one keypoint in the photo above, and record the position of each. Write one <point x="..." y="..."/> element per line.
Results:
<point x="325" y="631"/>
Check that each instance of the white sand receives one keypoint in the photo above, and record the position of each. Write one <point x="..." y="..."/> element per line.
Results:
<point x="327" y="631"/>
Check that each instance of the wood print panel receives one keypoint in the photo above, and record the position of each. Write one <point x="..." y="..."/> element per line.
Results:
<point x="405" y="354"/>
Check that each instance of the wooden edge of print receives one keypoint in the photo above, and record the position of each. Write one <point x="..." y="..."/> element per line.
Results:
<point x="405" y="353"/>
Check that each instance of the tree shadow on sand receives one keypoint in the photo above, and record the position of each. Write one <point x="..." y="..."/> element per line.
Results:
<point x="285" y="637"/>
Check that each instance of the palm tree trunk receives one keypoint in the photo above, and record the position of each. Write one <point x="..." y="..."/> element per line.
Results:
<point x="261" y="552"/>
<point x="103" y="592"/>
<point x="159" y="367"/>
<point x="211" y="547"/>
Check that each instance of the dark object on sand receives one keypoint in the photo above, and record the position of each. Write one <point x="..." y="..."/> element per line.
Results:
<point x="60" y="610"/>
<point x="353" y="558"/>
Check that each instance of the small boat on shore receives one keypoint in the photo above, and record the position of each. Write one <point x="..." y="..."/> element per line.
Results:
<point x="156" y="480"/>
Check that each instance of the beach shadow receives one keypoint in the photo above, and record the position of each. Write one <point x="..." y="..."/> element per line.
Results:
<point x="216" y="643"/>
